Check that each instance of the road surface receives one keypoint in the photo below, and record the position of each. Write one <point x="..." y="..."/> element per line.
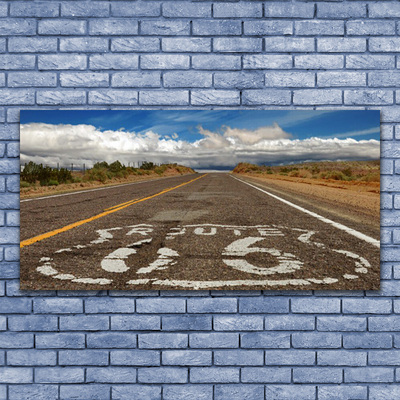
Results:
<point x="199" y="231"/>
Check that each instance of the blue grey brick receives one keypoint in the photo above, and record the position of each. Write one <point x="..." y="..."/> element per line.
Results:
<point x="267" y="375"/>
<point x="16" y="340"/>
<point x="33" y="392"/>
<point x="60" y="375"/>
<point x="61" y="27"/>
<point x="62" y="61"/>
<point x="162" y="375"/>
<point x="341" y="11"/>
<point x="238" y="357"/>
<point x="289" y="323"/>
<point x="10" y="270"/>
<point x="289" y="79"/>
<point x="384" y="357"/>
<point x="317" y="375"/>
<point x="111" y="375"/>
<point x="85" y="9"/>
<point x="370" y="61"/>
<point x="260" y="340"/>
<point x="194" y="45"/>
<point x="187" y="79"/>
<point x="186" y="357"/>
<point x="32" y="323"/>
<point x="135" y="357"/>
<point x="319" y="340"/>
<point x="31" y="357"/>
<point x="32" y="45"/>
<point x="215" y="97"/>
<point x="135" y="322"/>
<point x="396" y="303"/>
<point x="165" y="28"/>
<point x="368" y="97"/>
<point x="164" y="61"/>
<point x="365" y="27"/>
<point x="386" y="235"/>
<point x="215" y="62"/>
<point x="60" y="340"/>
<point x="341" y="323"/>
<point x="396" y="271"/>
<point x="13" y="181"/>
<point x="138" y="44"/>
<point x="312" y="97"/>
<point x="84" y="322"/>
<point x="319" y="61"/>
<point x="288" y="10"/>
<point x="382" y="10"/>
<point x="388" y="254"/>
<point x="325" y="306"/>
<point x="368" y="374"/>
<point x="263" y="305"/>
<point x="36" y="9"/>
<point x="181" y="9"/>
<point x="2" y="84"/>
<point x="238" y="10"/>
<point x="109" y="305"/>
<point x="3" y="9"/>
<point x="163" y="340"/>
<point x="83" y="357"/>
<point x="390" y="182"/>
<point x="268" y="97"/>
<point x="367" y="341"/>
<point x="289" y="392"/>
<point x="84" y="44"/>
<point x="3" y="321"/>
<point x="237" y="45"/>
<point x="387" y="44"/>
<point x="15" y="305"/>
<point x="386" y="323"/>
<point x="109" y="96"/>
<point x="342" y="78"/>
<point x="290" y="357"/>
<point x="17" y="61"/>
<point x="214" y="375"/>
<point x="58" y="97"/>
<point x="239" y="392"/>
<point x="269" y="27"/>
<point x="32" y="79"/>
<point x="113" y="61"/>
<point x="83" y="79"/>
<point x="19" y="26"/>
<point x="16" y="375"/>
<point x="132" y="9"/>
<point x="179" y="392"/>
<point x="179" y="98"/>
<point x="212" y="305"/>
<point x="341" y="45"/>
<point x="217" y="27"/>
<point x="113" y="27"/>
<point x="240" y="323"/>
<point x="95" y="392"/>
<point x="111" y="340"/>
<point x="342" y="358"/>
<point x="384" y="78"/>
<point x="286" y="45"/>
<point x="317" y="27"/>
<point x="214" y="340"/>
<point x="366" y="306"/>
<point x="382" y="392"/>
<point x="8" y="201"/>
<point x="136" y="392"/>
<point x="344" y="392"/>
<point x="57" y="306"/>
<point x="187" y="323"/>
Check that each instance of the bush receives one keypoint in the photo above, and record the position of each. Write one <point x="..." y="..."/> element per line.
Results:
<point x="147" y="165"/>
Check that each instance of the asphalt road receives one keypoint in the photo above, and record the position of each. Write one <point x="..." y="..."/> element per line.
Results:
<point x="201" y="231"/>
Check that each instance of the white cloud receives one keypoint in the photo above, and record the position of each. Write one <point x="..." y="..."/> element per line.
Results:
<point x="78" y="144"/>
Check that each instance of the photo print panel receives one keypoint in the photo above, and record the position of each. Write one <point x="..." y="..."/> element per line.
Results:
<point x="200" y="200"/>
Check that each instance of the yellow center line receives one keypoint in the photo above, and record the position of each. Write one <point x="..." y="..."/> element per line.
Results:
<point x="116" y="208"/>
<point x="122" y="204"/>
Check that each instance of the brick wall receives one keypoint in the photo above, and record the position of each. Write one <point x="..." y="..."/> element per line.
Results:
<point x="199" y="345"/>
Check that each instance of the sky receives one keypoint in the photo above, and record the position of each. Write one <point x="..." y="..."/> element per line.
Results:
<point x="201" y="139"/>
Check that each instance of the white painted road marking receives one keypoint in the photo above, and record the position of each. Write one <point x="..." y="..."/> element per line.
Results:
<point x="342" y="227"/>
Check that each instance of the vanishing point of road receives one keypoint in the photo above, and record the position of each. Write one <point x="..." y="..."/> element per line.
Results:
<point x="198" y="231"/>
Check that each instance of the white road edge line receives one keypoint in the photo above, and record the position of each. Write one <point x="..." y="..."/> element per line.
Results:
<point x="345" y="228"/>
<point x="94" y="190"/>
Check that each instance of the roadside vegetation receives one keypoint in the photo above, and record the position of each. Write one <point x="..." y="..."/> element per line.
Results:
<point x="37" y="178"/>
<point x="346" y="171"/>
